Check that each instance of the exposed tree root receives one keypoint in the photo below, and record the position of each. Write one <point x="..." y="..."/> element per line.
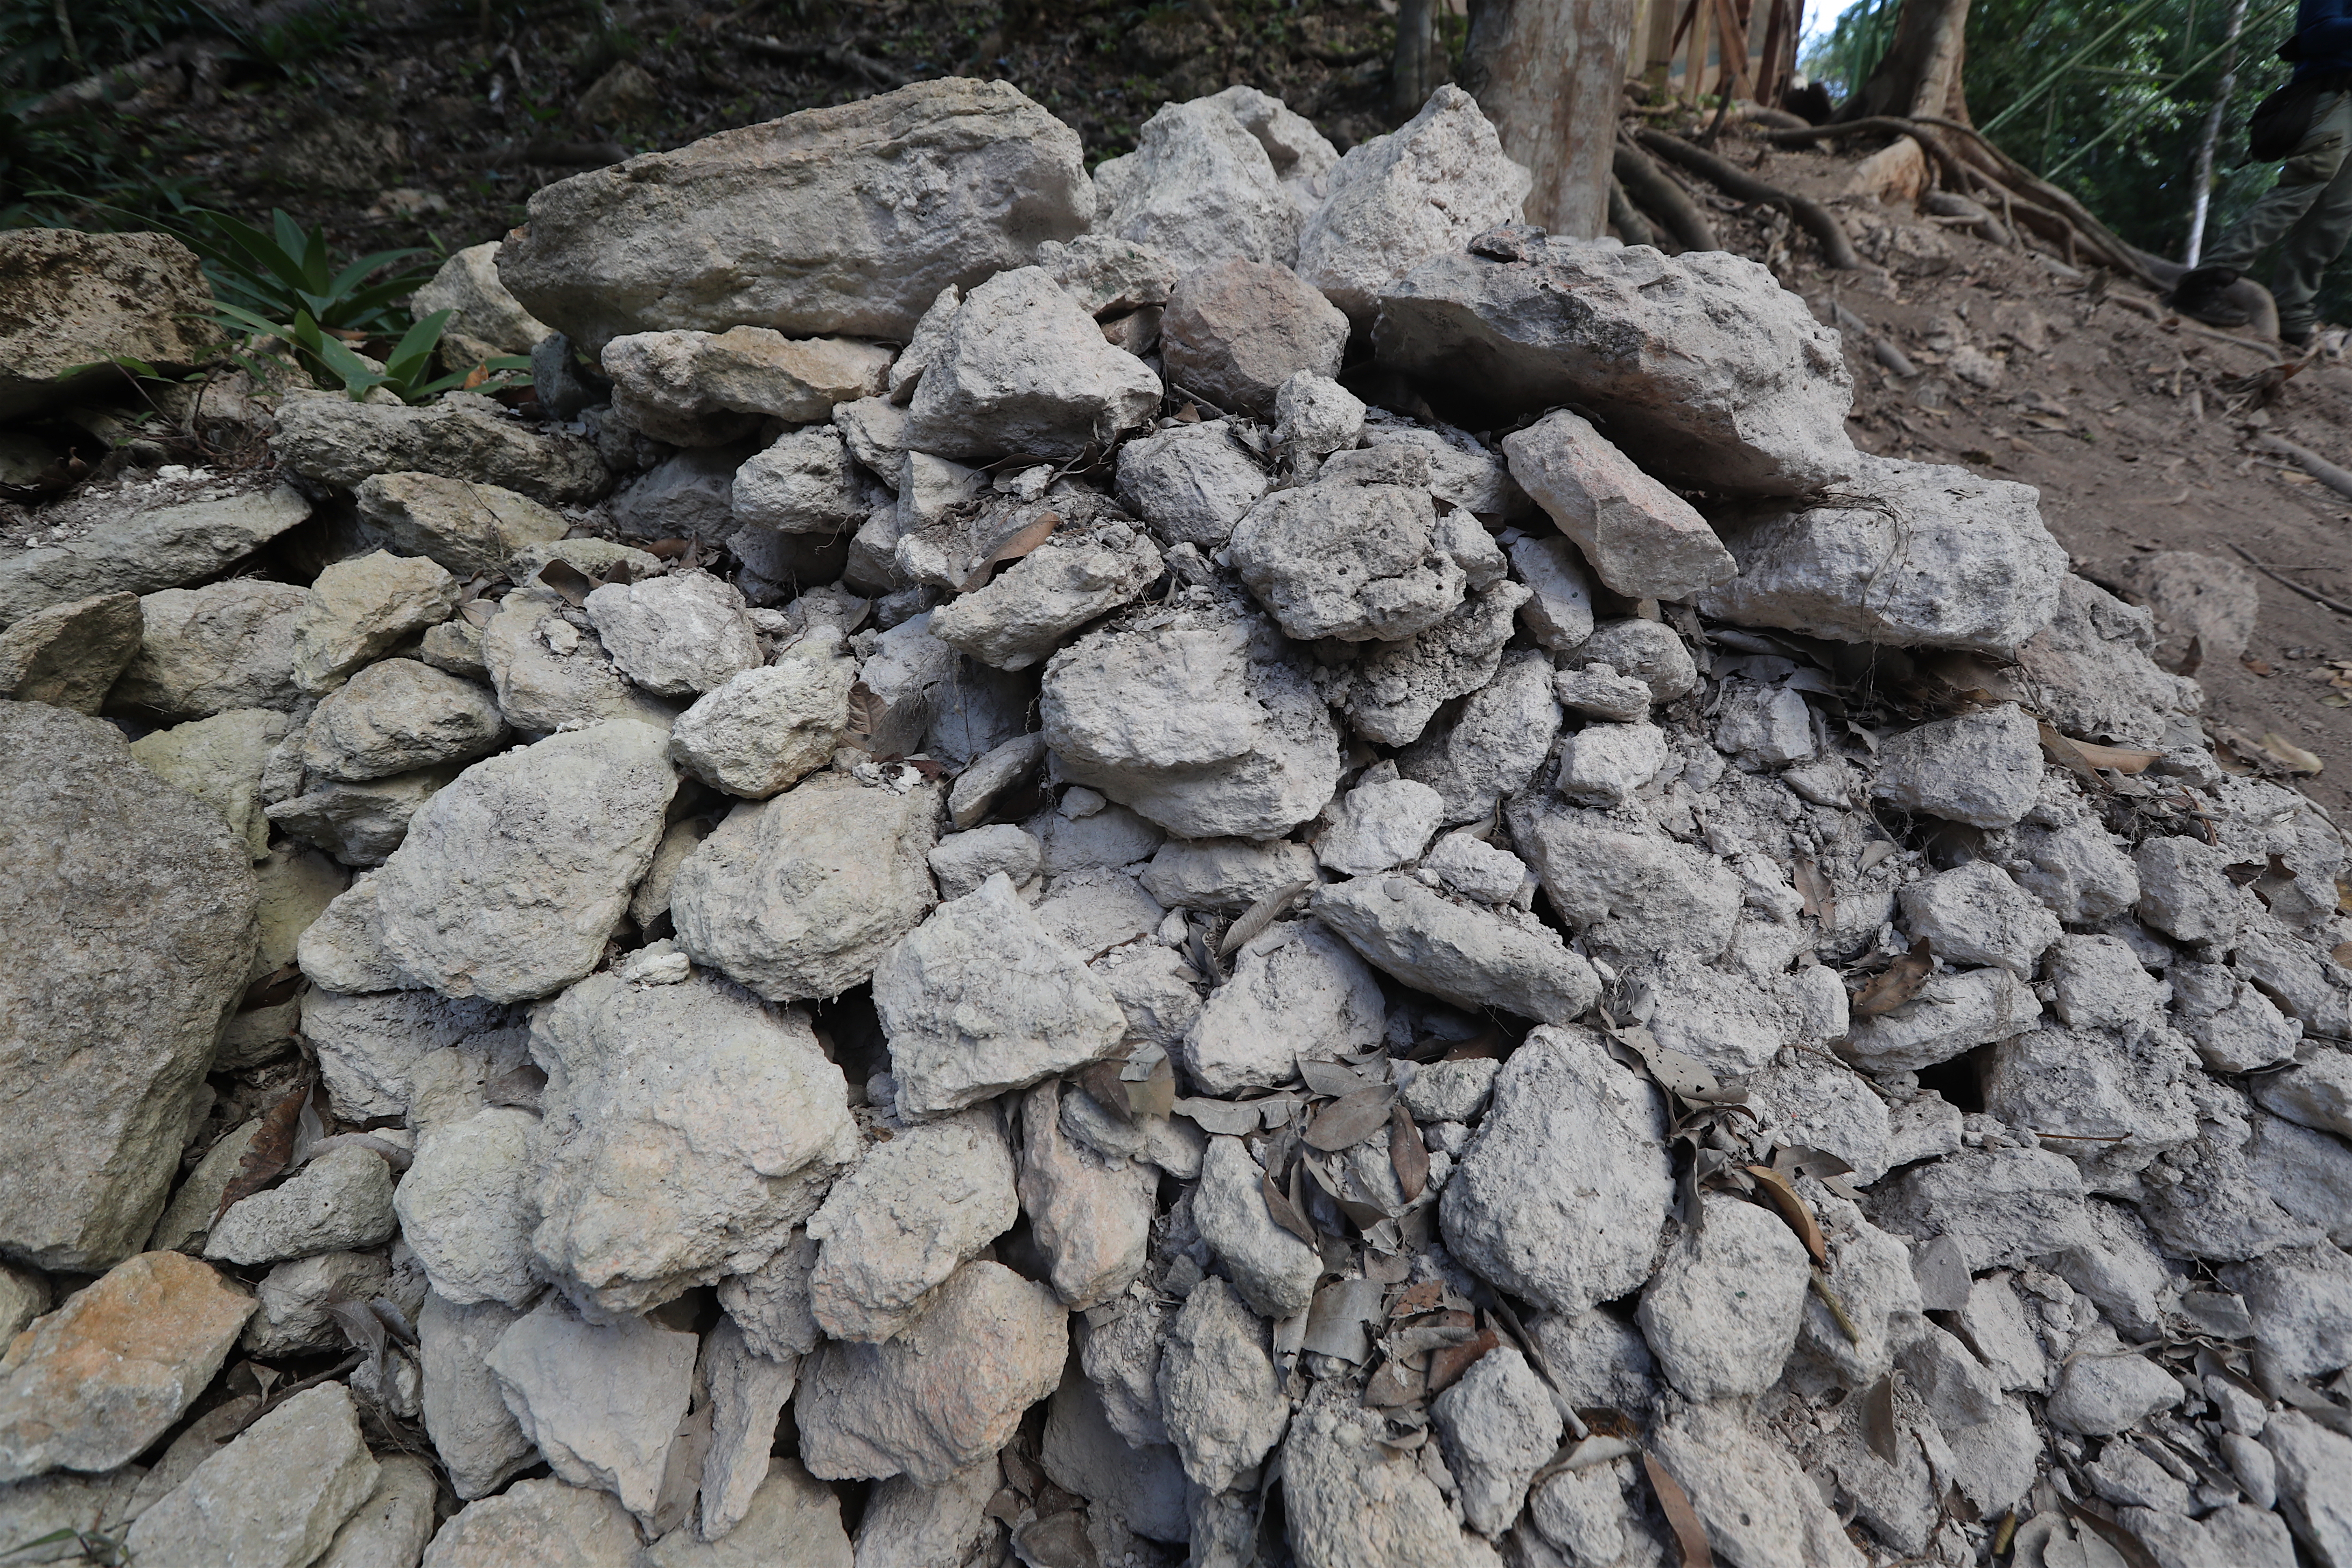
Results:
<point x="1837" y="247"/>
<point x="1663" y="199"/>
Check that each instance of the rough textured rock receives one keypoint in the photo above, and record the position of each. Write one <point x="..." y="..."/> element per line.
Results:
<point x="747" y="1394"/>
<point x="1495" y="1427"/>
<point x="801" y="896"/>
<point x="1976" y="914"/>
<point x="219" y="762"/>
<point x="469" y="526"/>
<point x="688" y="1128"/>
<point x="980" y="999"/>
<point x="1143" y="1486"/>
<point x="1999" y="1207"/>
<point x="1355" y="562"/>
<point x="767" y="729"/>
<point x="1495" y="744"/>
<point x="1199" y="189"/>
<point x="1982" y="768"/>
<point x="705" y="389"/>
<point x="1755" y="1504"/>
<point x="339" y="1201"/>
<point x="391" y="1528"/>
<point x="2208" y="600"/>
<point x="146" y="938"/>
<point x="944" y="1394"/>
<point x="803" y="483"/>
<point x="75" y="300"/>
<point x="294" y="1300"/>
<point x="1970" y="565"/>
<point x="1297" y="993"/>
<point x="475" y="1435"/>
<point x="1224" y="1410"/>
<point x="1237" y="333"/>
<point x="1191" y="483"/>
<point x="549" y="673"/>
<point x="793" y="1521"/>
<point x="2090" y="673"/>
<point x="1399" y="687"/>
<point x="847" y="220"/>
<point x="275" y="1497"/>
<point x="92" y="1385"/>
<point x="1722" y="1311"/>
<point x="675" y="635"/>
<point x="1204" y="724"/>
<point x="486" y="320"/>
<point x="467" y="1208"/>
<point x="1274" y="1271"/>
<point x="602" y="1402"/>
<point x="206" y="650"/>
<point x="1639" y="537"/>
<point x="328" y="438"/>
<point x="512" y="878"/>
<point x="358" y="610"/>
<point x="1560" y="1195"/>
<point x="1021" y="617"/>
<point x="1472" y="956"/>
<point x="397" y="716"/>
<point x="1352" y="1503"/>
<point x="539" y="1521"/>
<point x="1713" y="378"/>
<point x="1089" y="1209"/>
<point x="147" y="551"/>
<point x="1423" y="189"/>
<point x="69" y="655"/>
<point x="912" y="1212"/>
<point x="1025" y="370"/>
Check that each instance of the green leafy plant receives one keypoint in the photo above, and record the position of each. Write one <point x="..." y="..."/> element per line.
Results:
<point x="289" y="271"/>
<point x="407" y="372"/>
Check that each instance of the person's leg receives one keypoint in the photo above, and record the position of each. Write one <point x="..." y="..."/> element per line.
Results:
<point x="2317" y="160"/>
<point x="2317" y="239"/>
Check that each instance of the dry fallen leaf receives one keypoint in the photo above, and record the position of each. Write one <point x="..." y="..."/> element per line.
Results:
<point x="2084" y="758"/>
<point x="866" y="710"/>
<point x="1878" y="1425"/>
<point x="1259" y="916"/>
<point x="1896" y="983"/>
<point x="1226" y="1117"/>
<point x="1410" y="1156"/>
<point x="1154" y="1095"/>
<point x="1821" y="899"/>
<point x="1674" y="1503"/>
<point x="273" y="1147"/>
<point x="2258" y="666"/>
<point x="1448" y="1362"/>
<point x="1101" y="1083"/>
<point x="2289" y="756"/>
<point x="1286" y="1213"/>
<point x="1793" y="1209"/>
<point x="568" y="581"/>
<point x="1353" y="1118"/>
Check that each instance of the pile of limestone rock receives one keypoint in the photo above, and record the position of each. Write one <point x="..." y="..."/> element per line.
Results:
<point x="953" y="908"/>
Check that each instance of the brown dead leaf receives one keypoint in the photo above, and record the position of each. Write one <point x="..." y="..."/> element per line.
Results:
<point x="568" y="581"/>
<point x="2194" y="660"/>
<point x="1878" y="1425"/>
<point x="1821" y="899"/>
<point x="1793" y="1209"/>
<point x="1448" y="1362"/>
<point x="1154" y="1095"/>
<point x="1101" y="1082"/>
<point x="1259" y="916"/>
<point x="2342" y="953"/>
<point x="2086" y="758"/>
<point x="1393" y="1386"/>
<point x="273" y="1147"/>
<point x="1350" y="1118"/>
<point x="1683" y="1519"/>
<point x="1409" y="1155"/>
<point x="1286" y="1213"/>
<point x="866" y="710"/>
<point x="1896" y="983"/>
<point x="2257" y="666"/>
<point x="667" y="548"/>
<point x="272" y="989"/>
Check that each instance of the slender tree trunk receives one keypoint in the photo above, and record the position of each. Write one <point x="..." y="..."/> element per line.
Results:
<point x="1921" y="72"/>
<point x="2211" y="140"/>
<point x="1412" y="70"/>
<point x="1549" y="74"/>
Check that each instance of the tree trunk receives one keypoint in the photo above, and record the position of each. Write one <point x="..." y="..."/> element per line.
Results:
<point x="2211" y="140"/>
<point x="1412" y="74"/>
<point x="1549" y="74"/>
<point x="1920" y="75"/>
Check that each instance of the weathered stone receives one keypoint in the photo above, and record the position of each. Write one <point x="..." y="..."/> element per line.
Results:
<point x="849" y="220"/>
<point x="2184" y="894"/>
<point x="1205" y="724"/>
<point x="539" y="1521"/>
<point x="1421" y="191"/>
<point x="687" y="1129"/>
<point x="705" y="389"/>
<point x="907" y="1522"/>
<point x="1999" y="1207"/>
<point x="76" y="302"/>
<point x="275" y="1497"/>
<point x="360" y="609"/>
<point x="474" y="1433"/>
<point x="791" y="1520"/>
<point x="69" y="655"/>
<point x="2092" y="678"/>
<point x="803" y="483"/>
<point x="92" y="1385"/>
<point x="1976" y="914"/>
<point x="1357" y="563"/>
<point x="1752" y="1499"/>
<point x="980" y="999"/>
<point x="1639" y="538"/>
<point x="1722" y="1311"/>
<point x="1237" y="331"/>
<point x="1952" y="1012"/>
<point x="466" y="1207"/>
<point x="1495" y="1427"/>
<point x="328" y="438"/>
<point x="2300" y="1298"/>
<point x="147" y="551"/>
<point x="1295" y="992"/>
<point x="1474" y="957"/>
<point x="1560" y="1195"/>
<point x="1351" y="1502"/>
<point x="602" y="1402"/>
<point x="340" y="1201"/>
<point x="397" y="716"/>
<point x="549" y="673"/>
<point x="1191" y="482"/>
<point x="471" y="528"/>
<point x="145" y="937"/>
<point x="360" y="824"/>
<point x="1199" y="189"/>
<point x="767" y="729"/>
<point x="512" y="878"/>
<point x="1968" y="565"/>
<point x="945" y="1394"/>
<point x="1090" y="1212"/>
<point x="912" y="1212"/>
<point x="801" y="896"/>
<point x="1025" y="370"/>
<point x="675" y="635"/>
<point x="1605" y="764"/>
<point x="1398" y="687"/>
<point x="218" y="761"/>
<point x="1982" y="768"/>
<point x="1495" y="744"/>
<point x="1224" y="1408"/>
<point x="1020" y="617"/>
<point x="1275" y="1271"/>
<point x="2208" y="600"/>
<point x="206" y="650"/>
<point x="485" y="321"/>
<point x="1143" y="1488"/>
<point x="391" y="1528"/>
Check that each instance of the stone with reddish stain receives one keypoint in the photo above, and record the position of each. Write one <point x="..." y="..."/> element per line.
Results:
<point x="94" y="1382"/>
